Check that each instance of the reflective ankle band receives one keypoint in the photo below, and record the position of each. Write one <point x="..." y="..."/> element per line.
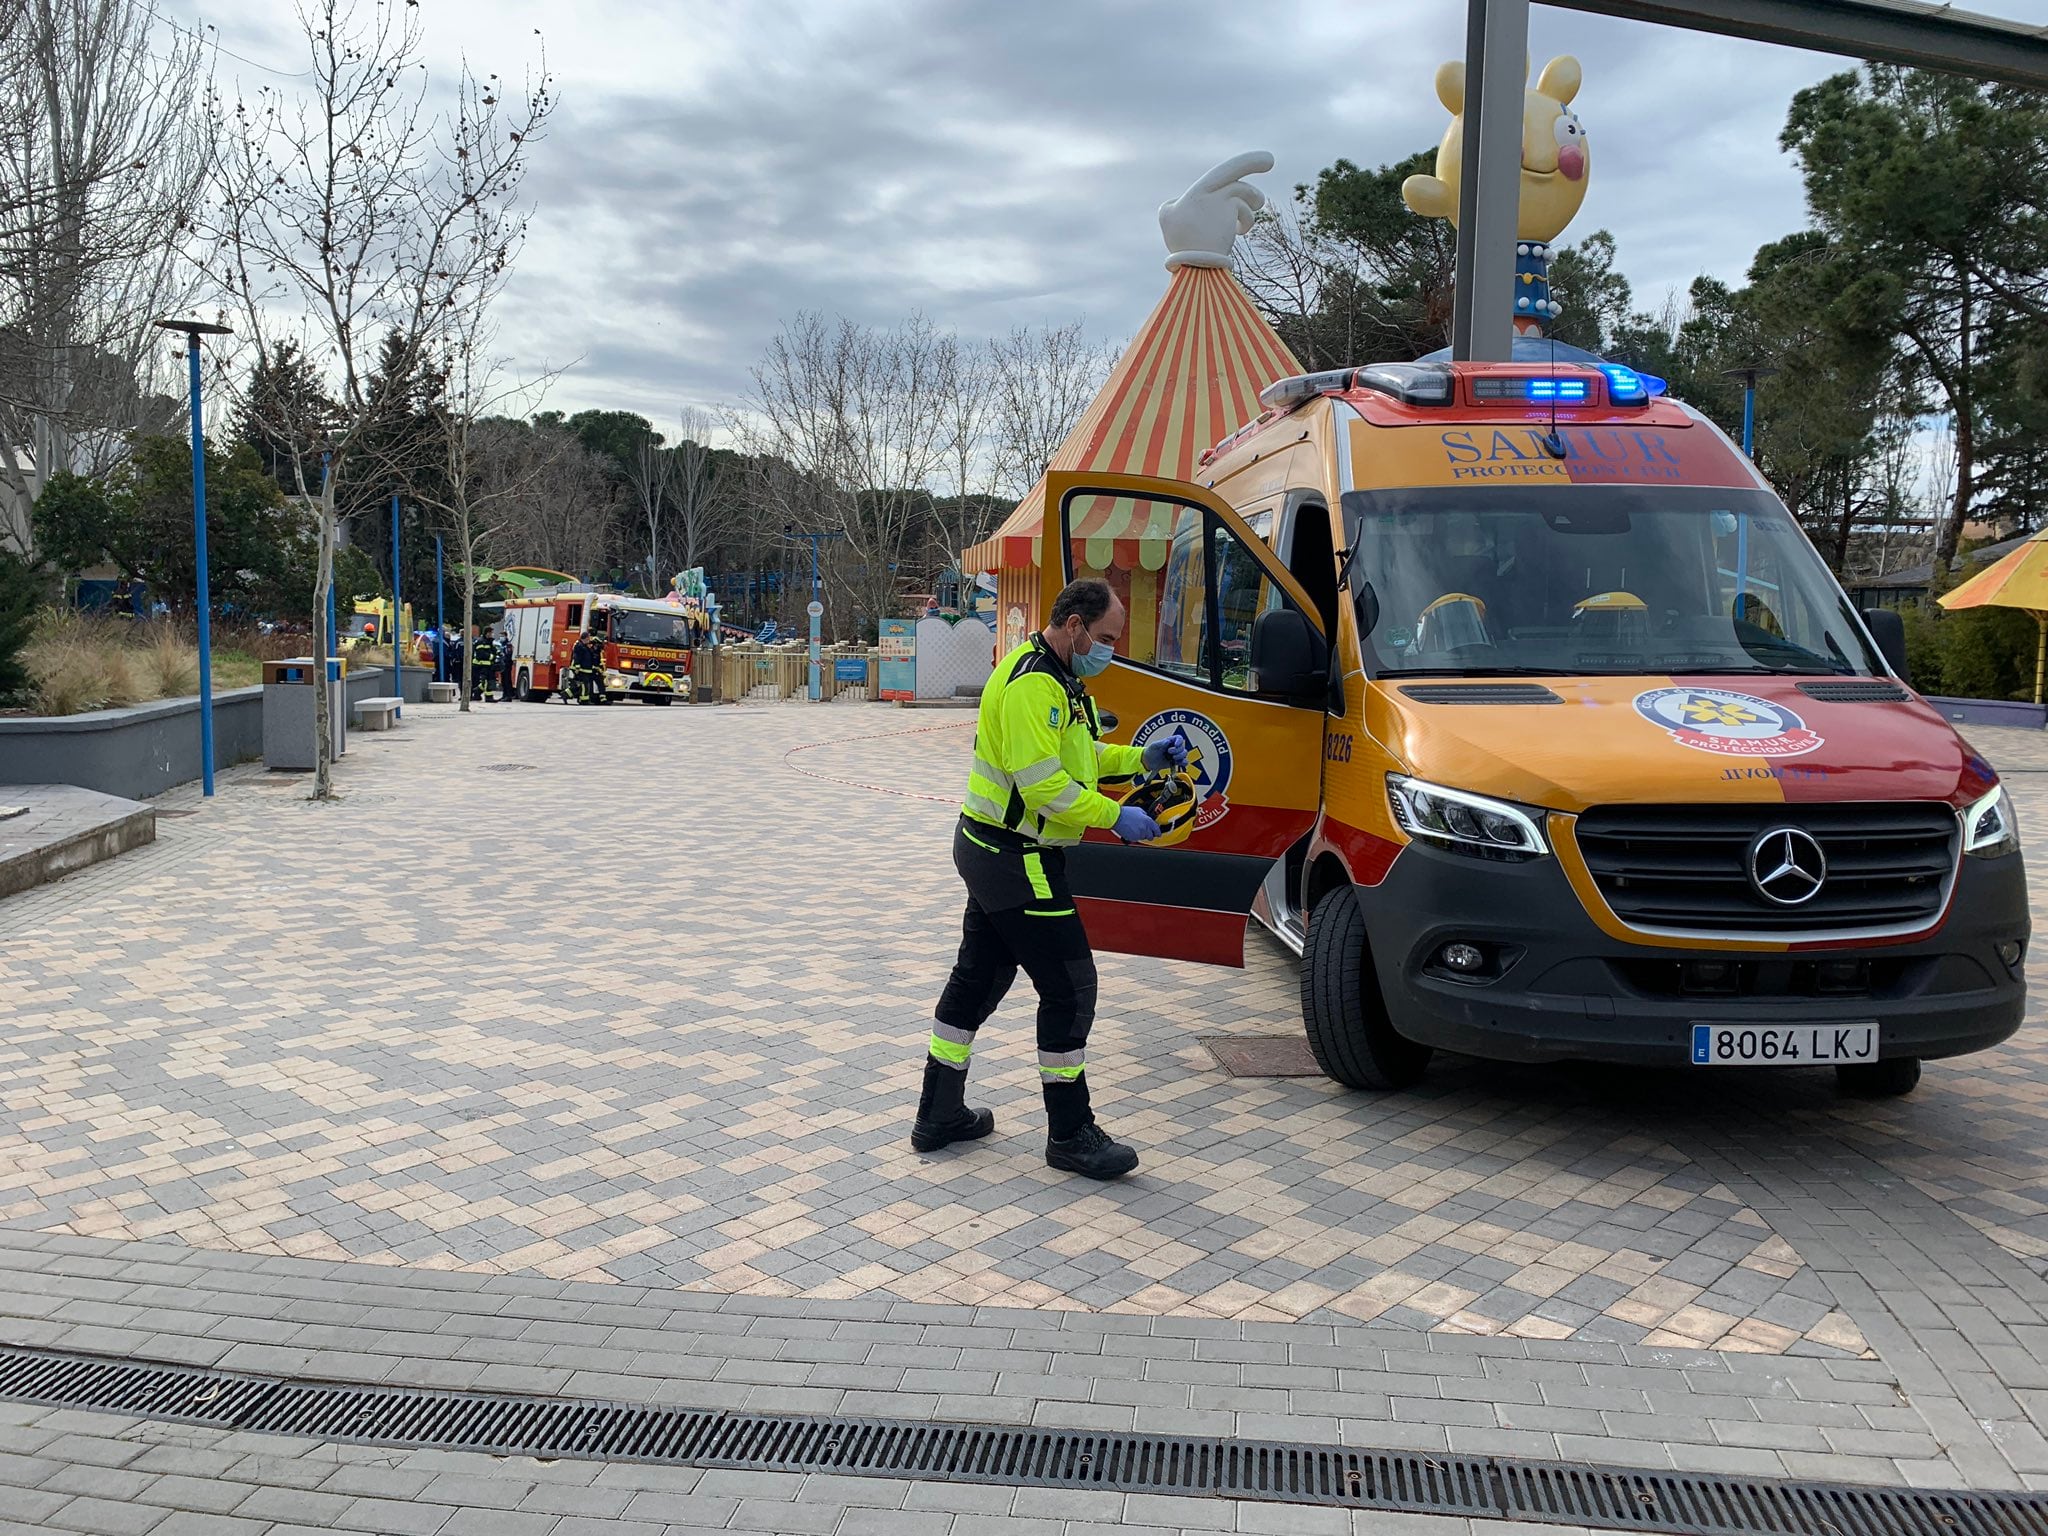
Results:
<point x="952" y="1046"/>
<point x="1063" y="1066"/>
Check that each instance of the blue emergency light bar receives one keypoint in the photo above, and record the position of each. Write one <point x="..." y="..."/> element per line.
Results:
<point x="1557" y="389"/>
<point x="1625" y="386"/>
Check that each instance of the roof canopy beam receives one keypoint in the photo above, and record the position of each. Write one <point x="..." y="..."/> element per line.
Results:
<point x="1913" y="33"/>
<point x="1908" y="32"/>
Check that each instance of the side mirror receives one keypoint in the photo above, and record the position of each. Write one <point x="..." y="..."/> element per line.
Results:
<point x="1289" y="660"/>
<point x="1889" y="631"/>
<point x="1368" y="610"/>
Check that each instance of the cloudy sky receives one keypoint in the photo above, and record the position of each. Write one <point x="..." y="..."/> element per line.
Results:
<point x="717" y="167"/>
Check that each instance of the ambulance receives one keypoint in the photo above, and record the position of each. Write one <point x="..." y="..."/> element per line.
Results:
<point x="646" y="644"/>
<point x="1528" y="718"/>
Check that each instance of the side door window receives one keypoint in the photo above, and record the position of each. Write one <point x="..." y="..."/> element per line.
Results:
<point x="1192" y="587"/>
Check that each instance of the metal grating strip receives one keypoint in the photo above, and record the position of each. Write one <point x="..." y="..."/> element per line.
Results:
<point x="1476" y="1487"/>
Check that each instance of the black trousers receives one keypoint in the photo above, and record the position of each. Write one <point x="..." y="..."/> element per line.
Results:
<point x="1020" y="916"/>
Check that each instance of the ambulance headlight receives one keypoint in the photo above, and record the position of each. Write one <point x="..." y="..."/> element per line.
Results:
<point x="1990" y="828"/>
<point x="1465" y="823"/>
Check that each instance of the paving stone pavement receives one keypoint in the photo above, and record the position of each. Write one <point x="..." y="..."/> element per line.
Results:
<point x="303" y="1088"/>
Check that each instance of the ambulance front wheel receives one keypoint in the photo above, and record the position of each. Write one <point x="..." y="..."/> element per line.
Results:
<point x="1349" y="1032"/>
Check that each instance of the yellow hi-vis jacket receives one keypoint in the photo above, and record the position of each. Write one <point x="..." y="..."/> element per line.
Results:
<point x="1036" y="756"/>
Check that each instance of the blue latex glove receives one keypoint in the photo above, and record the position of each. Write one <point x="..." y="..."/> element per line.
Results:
<point x="1168" y="750"/>
<point x="1134" y="826"/>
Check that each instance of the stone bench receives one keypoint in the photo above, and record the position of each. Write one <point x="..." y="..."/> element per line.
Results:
<point x="377" y="714"/>
<point x="442" y="693"/>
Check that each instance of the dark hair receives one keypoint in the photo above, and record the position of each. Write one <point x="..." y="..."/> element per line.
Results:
<point x="1089" y="597"/>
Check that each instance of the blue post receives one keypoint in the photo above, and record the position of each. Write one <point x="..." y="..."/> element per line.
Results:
<point x="440" y="624"/>
<point x="817" y="619"/>
<point x="397" y="624"/>
<point x="1749" y="418"/>
<point x="205" y="589"/>
<point x="325" y="461"/>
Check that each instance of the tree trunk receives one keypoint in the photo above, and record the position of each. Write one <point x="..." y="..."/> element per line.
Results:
<point x="1966" y="439"/>
<point x="1841" y="560"/>
<point x="323" y="710"/>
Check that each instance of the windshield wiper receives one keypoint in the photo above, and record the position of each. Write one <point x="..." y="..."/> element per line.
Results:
<point x="1492" y="672"/>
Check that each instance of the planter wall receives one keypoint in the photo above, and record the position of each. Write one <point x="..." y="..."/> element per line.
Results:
<point x="135" y="752"/>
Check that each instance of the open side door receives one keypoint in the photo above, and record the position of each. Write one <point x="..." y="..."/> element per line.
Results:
<point x="1203" y="593"/>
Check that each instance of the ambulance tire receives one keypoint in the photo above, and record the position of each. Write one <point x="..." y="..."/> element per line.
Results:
<point x="1889" y="1077"/>
<point x="1349" y="1033"/>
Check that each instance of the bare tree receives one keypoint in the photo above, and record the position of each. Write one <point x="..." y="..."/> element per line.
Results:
<point x="357" y="212"/>
<point x="650" y="473"/>
<point x="849" y="409"/>
<point x="702" y="496"/>
<point x="967" y="400"/>
<point x="557" y="509"/>
<point x="104" y="156"/>
<point x="1044" y="381"/>
<point x="485" y="466"/>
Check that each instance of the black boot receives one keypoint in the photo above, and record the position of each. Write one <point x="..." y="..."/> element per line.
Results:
<point x="1091" y="1153"/>
<point x="942" y="1116"/>
<point x="1074" y="1143"/>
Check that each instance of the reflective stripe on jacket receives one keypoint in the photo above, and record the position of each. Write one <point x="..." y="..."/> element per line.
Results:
<point x="1036" y="756"/>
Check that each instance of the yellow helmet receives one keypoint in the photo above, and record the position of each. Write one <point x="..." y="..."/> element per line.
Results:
<point x="1169" y="797"/>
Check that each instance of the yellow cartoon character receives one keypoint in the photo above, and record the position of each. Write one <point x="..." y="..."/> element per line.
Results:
<point x="1556" y="161"/>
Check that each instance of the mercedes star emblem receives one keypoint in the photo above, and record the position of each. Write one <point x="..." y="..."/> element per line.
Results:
<point x="1786" y="866"/>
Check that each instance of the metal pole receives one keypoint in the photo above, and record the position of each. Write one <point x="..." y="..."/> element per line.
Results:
<point x="205" y="593"/>
<point x="440" y="623"/>
<point x="817" y="619"/>
<point x="1749" y="418"/>
<point x="2040" y="654"/>
<point x="397" y="623"/>
<point x="1468" y="175"/>
<point x="1494" y="86"/>
<point x="325" y="461"/>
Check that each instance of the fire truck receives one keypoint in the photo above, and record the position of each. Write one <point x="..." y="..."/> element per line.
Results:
<point x="646" y="644"/>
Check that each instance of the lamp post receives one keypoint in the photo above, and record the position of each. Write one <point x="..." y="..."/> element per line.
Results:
<point x="193" y="330"/>
<point x="817" y="604"/>
<point x="1749" y="376"/>
<point x="397" y="627"/>
<point x="440" y="623"/>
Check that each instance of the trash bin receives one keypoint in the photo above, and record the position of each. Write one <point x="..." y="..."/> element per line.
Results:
<point x="289" y="709"/>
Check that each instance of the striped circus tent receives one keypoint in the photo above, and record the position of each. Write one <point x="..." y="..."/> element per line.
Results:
<point x="1190" y="377"/>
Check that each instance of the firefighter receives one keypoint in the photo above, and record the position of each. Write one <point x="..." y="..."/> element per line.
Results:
<point x="483" y="663"/>
<point x="586" y="667"/>
<point x="1031" y="794"/>
<point x="507" y="662"/>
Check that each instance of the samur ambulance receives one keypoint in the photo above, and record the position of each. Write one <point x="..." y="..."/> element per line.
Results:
<point x="1528" y="717"/>
<point x="646" y="644"/>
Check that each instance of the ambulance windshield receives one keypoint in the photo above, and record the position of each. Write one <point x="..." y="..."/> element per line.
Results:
<point x="640" y="626"/>
<point x="1589" y="580"/>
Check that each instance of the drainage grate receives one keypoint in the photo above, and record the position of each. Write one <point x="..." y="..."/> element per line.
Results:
<point x="1476" y="1487"/>
<point x="1263" y="1055"/>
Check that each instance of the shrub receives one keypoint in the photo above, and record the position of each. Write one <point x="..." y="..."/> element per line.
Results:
<point x="76" y="663"/>
<point x="20" y="592"/>
<point x="166" y="662"/>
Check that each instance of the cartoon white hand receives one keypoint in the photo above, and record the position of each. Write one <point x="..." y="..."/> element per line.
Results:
<point x="1203" y="223"/>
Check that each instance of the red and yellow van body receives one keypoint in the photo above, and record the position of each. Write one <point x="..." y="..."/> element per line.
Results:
<point x="1662" y="900"/>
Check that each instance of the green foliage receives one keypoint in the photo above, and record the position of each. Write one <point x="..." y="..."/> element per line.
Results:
<point x="139" y="519"/>
<point x="1597" y="299"/>
<point x="21" y="593"/>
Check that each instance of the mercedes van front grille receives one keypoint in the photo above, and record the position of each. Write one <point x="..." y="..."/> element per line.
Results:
<point x="1884" y="868"/>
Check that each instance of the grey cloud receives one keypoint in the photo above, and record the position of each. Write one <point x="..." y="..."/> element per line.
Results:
<point x="998" y="163"/>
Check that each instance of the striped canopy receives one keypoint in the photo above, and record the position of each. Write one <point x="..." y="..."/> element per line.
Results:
<point x="1190" y="377"/>
<point x="2019" y="579"/>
